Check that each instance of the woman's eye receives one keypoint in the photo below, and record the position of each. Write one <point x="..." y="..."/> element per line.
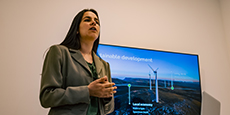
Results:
<point x="87" y="20"/>
<point x="97" y="22"/>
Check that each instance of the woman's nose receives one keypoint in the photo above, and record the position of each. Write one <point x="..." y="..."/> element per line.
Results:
<point x="93" y="22"/>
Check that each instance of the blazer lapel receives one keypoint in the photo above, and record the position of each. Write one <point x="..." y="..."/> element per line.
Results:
<point x="98" y="64"/>
<point x="76" y="54"/>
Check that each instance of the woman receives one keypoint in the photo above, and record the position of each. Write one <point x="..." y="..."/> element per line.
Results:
<point x="75" y="81"/>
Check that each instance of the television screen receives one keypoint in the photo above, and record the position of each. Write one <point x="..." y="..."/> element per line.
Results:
<point x="153" y="82"/>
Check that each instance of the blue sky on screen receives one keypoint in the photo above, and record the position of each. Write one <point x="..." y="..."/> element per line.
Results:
<point x="134" y="62"/>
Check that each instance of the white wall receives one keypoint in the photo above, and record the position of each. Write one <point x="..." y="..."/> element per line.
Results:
<point x="28" y="28"/>
<point x="225" y="8"/>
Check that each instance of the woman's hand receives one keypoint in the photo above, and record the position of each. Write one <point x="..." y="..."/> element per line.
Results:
<point x="101" y="88"/>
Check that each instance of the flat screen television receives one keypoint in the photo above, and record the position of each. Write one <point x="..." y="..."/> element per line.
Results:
<point x="153" y="82"/>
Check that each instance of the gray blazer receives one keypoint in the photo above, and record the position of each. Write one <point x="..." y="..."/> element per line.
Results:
<point x="64" y="81"/>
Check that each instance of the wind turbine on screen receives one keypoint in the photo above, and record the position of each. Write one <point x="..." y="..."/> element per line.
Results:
<point x="172" y="88"/>
<point x="150" y="82"/>
<point x="156" y="82"/>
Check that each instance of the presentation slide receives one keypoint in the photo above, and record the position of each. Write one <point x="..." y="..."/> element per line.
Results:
<point x="153" y="82"/>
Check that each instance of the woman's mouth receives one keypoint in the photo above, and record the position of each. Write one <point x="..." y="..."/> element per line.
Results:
<point x="93" y="28"/>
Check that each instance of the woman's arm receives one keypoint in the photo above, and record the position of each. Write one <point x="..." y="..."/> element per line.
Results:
<point x="53" y="92"/>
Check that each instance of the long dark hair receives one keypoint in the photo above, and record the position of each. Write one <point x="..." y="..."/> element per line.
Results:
<point x="72" y="39"/>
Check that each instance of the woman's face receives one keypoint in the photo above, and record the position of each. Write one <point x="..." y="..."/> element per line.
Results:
<point x="89" y="27"/>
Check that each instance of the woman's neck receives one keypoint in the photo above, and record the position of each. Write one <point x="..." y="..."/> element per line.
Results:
<point x="86" y="51"/>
